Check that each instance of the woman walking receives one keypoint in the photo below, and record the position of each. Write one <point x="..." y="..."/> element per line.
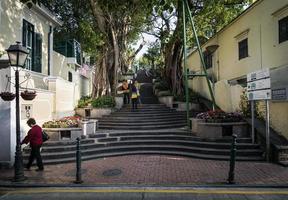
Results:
<point x="34" y="137"/>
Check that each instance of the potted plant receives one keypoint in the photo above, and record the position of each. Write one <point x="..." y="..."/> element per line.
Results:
<point x="7" y="96"/>
<point x="28" y="95"/>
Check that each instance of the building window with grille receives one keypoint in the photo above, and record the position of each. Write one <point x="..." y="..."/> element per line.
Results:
<point x="283" y="30"/>
<point x="243" y="48"/>
<point x="208" y="59"/>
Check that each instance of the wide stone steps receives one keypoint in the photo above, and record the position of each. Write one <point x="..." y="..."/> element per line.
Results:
<point x="146" y="117"/>
<point x="167" y="142"/>
<point x="124" y="149"/>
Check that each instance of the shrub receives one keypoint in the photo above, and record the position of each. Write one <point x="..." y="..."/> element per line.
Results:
<point x="245" y="107"/>
<point x="162" y="85"/>
<point x="66" y="122"/>
<point x="103" y="102"/>
<point x="84" y="101"/>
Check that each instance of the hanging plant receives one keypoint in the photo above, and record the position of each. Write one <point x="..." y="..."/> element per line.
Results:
<point x="7" y="96"/>
<point x="28" y="95"/>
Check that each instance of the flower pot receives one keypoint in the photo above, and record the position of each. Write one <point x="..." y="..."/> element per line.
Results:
<point x="28" y="96"/>
<point x="7" y="96"/>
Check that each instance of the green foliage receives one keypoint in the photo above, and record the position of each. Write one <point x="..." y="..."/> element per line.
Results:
<point x="162" y="85"/>
<point x="103" y="102"/>
<point x="84" y="101"/>
<point x="244" y="104"/>
<point x="245" y="107"/>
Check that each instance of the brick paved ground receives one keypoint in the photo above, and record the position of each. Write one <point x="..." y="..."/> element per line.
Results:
<point x="159" y="170"/>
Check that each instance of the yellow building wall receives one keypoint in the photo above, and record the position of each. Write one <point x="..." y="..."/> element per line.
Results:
<point x="260" y="26"/>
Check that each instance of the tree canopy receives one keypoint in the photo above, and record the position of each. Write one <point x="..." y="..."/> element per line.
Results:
<point x="106" y="30"/>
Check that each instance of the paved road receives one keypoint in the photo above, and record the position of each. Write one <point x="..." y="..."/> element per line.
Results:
<point x="155" y="170"/>
<point x="145" y="193"/>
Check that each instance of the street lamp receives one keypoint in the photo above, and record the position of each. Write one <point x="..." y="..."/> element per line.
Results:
<point x="17" y="58"/>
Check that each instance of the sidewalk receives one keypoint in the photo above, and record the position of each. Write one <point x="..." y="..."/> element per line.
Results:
<point x="155" y="170"/>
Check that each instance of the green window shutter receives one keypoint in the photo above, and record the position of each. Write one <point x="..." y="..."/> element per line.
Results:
<point x="24" y="30"/>
<point x="38" y="53"/>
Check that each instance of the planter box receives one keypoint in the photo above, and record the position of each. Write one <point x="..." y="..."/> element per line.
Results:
<point x="119" y="102"/>
<point x="167" y="100"/>
<point x="194" y="123"/>
<point x="58" y="134"/>
<point x="93" y="112"/>
<point x="219" y="130"/>
<point x="89" y="126"/>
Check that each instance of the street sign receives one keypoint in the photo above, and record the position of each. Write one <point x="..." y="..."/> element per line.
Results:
<point x="259" y="95"/>
<point x="260" y="74"/>
<point x="259" y="84"/>
<point x="259" y="88"/>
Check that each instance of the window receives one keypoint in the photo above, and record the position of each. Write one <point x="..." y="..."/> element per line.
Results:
<point x="283" y="29"/>
<point x="243" y="48"/>
<point x="33" y="42"/>
<point x="70" y="76"/>
<point x="208" y="59"/>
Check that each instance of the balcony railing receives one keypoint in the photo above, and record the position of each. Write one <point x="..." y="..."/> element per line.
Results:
<point x="70" y="49"/>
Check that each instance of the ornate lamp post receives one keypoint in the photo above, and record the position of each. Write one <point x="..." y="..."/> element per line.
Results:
<point x="17" y="58"/>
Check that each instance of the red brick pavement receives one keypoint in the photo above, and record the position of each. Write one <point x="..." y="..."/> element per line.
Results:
<point x="158" y="170"/>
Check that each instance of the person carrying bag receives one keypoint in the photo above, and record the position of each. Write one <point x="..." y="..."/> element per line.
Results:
<point x="35" y="139"/>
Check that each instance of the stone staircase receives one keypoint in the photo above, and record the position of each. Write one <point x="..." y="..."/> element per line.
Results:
<point x="166" y="141"/>
<point x="152" y="129"/>
<point x="146" y="117"/>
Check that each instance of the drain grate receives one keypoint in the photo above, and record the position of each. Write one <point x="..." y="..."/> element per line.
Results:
<point x="112" y="172"/>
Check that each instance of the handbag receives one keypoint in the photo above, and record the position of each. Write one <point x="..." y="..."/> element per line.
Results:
<point x="45" y="136"/>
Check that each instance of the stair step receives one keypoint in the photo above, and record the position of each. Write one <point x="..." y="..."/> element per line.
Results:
<point x="174" y="141"/>
<point x="137" y="123"/>
<point x="128" y="120"/>
<point x="125" y="148"/>
<point x="67" y="142"/>
<point x="152" y="152"/>
<point x="166" y="134"/>
<point x="168" y="117"/>
<point x="116" y="127"/>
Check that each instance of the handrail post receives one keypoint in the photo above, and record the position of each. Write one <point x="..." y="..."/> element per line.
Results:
<point x="232" y="160"/>
<point x="78" y="163"/>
